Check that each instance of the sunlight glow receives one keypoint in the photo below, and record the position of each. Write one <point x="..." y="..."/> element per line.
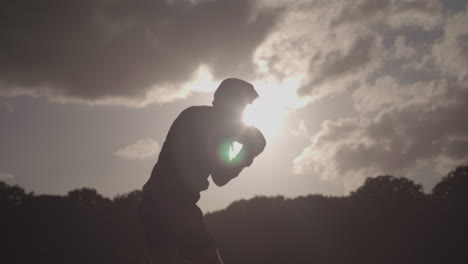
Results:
<point x="275" y="102"/>
<point x="202" y="80"/>
<point x="277" y="99"/>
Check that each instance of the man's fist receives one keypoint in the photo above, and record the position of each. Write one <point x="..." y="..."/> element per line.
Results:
<point x="253" y="141"/>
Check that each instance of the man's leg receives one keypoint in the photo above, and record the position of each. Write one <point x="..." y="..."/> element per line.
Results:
<point x="158" y="233"/>
<point x="195" y="241"/>
<point x="205" y="256"/>
<point x="165" y="254"/>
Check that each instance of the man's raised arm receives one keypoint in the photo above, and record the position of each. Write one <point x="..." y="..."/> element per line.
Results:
<point x="253" y="143"/>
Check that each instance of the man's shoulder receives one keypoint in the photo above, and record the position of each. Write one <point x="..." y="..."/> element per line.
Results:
<point x="194" y="116"/>
<point x="196" y="110"/>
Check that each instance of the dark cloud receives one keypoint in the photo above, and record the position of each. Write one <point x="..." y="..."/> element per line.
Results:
<point x="338" y="63"/>
<point x="98" y="49"/>
<point x="359" y="55"/>
<point x="360" y="11"/>
<point x="451" y="52"/>
<point x="414" y="13"/>
<point x="455" y="5"/>
<point x="421" y="124"/>
<point x="462" y="42"/>
<point x="398" y="139"/>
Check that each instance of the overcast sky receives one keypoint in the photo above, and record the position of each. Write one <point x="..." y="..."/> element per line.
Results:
<point x="348" y="89"/>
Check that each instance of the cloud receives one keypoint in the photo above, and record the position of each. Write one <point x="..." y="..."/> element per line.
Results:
<point x="419" y="13"/>
<point x="334" y="46"/>
<point x="410" y="100"/>
<point x="402" y="49"/>
<point x="387" y="92"/>
<point x="6" y="176"/>
<point x="142" y="149"/>
<point x="327" y="59"/>
<point x="125" y="51"/>
<point x="302" y="130"/>
<point x="399" y="127"/>
<point x="338" y="64"/>
<point x="451" y="53"/>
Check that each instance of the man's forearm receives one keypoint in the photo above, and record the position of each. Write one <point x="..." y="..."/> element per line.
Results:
<point x="222" y="176"/>
<point x="253" y="140"/>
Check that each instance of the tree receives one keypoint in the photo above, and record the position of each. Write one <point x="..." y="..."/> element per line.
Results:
<point x="454" y="186"/>
<point x="86" y="197"/>
<point x="12" y="195"/>
<point x="389" y="187"/>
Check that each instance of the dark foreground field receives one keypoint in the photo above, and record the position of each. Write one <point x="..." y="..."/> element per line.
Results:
<point x="387" y="220"/>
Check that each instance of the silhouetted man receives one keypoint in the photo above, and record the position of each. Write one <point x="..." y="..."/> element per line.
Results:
<point x="199" y="144"/>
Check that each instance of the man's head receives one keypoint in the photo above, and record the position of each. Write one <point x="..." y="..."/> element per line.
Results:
<point x="233" y="95"/>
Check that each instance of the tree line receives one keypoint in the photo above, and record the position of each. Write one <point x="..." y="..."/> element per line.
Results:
<point x="386" y="220"/>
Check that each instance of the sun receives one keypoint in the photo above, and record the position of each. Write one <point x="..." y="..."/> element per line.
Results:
<point x="263" y="115"/>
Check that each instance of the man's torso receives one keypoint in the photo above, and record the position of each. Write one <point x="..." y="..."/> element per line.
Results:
<point x="187" y="155"/>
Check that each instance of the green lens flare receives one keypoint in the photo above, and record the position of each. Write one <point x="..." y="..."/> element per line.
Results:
<point x="235" y="149"/>
<point x="231" y="153"/>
